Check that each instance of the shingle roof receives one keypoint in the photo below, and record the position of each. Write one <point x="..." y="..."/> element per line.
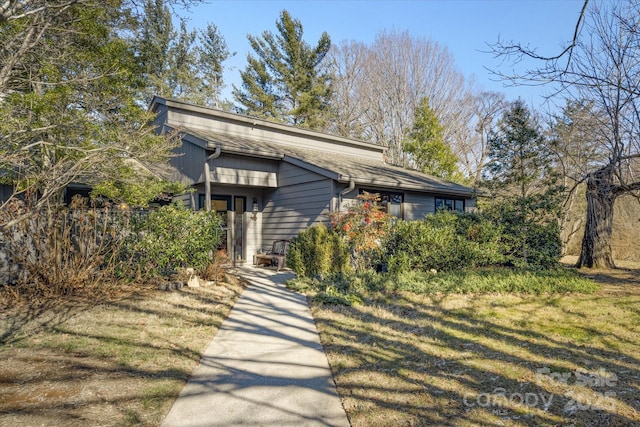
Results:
<point x="342" y="168"/>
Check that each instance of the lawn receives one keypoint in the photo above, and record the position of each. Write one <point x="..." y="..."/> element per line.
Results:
<point x="505" y="359"/>
<point x="400" y="358"/>
<point x="114" y="359"/>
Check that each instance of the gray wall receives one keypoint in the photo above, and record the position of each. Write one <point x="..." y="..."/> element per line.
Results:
<point x="244" y="171"/>
<point x="187" y="167"/>
<point x="417" y="205"/>
<point x="298" y="203"/>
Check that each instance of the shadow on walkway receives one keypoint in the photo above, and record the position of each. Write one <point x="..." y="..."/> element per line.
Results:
<point x="265" y="366"/>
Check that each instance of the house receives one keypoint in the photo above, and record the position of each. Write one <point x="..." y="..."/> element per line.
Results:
<point x="276" y="180"/>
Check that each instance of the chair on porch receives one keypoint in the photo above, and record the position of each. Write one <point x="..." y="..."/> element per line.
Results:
<point x="276" y="256"/>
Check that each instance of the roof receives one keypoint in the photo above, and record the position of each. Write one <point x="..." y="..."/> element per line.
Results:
<point x="275" y="129"/>
<point x="342" y="168"/>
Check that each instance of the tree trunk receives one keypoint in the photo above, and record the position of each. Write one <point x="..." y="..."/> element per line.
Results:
<point x="596" y="243"/>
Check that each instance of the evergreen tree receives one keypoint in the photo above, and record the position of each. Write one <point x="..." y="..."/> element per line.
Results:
<point x="184" y="65"/>
<point x="285" y="80"/>
<point x="523" y="187"/>
<point x="154" y="45"/>
<point x="426" y="148"/>
<point x="76" y="115"/>
<point x="183" y="77"/>
<point x="212" y="52"/>
<point x="259" y="97"/>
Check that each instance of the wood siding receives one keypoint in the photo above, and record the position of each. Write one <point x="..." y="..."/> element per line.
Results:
<point x="300" y="202"/>
<point x="417" y="205"/>
<point x="244" y="171"/>
<point x="187" y="167"/>
<point x="233" y="125"/>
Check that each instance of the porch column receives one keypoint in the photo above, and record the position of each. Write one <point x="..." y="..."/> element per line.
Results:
<point x="207" y="179"/>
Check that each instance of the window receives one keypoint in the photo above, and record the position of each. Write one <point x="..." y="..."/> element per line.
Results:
<point x="239" y="204"/>
<point x="392" y="202"/>
<point x="450" y="204"/>
<point x="218" y="203"/>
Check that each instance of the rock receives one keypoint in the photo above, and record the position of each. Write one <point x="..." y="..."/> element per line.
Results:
<point x="194" y="282"/>
<point x="229" y="278"/>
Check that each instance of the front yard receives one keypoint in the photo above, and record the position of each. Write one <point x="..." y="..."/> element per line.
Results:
<point x="108" y="360"/>
<point x="489" y="360"/>
<point x="398" y="359"/>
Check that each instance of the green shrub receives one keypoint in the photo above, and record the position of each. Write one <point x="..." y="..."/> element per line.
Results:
<point x="353" y="289"/>
<point x="318" y="251"/>
<point x="173" y="237"/>
<point x="444" y="241"/>
<point x="527" y="243"/>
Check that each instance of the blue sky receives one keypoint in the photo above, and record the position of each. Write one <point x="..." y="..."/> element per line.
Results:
<point x="464" y="27"/>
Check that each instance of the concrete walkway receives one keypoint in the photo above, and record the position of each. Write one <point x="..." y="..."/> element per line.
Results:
<point x="264" y="367"/>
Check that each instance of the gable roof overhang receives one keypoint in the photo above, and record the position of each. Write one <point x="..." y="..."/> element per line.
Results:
<point x="341" y="159"/>
<point x="343" y="168"/>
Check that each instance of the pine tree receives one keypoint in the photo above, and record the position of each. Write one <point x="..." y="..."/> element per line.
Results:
<point x="212" y="52"/>
<point x="426" y="148"/>
<point x="523" y="187"/>
<point x="154" y="45"/>
<point x="285" y="80"/>
<point x="184" y="64"/>
<point x="183" y="77"/>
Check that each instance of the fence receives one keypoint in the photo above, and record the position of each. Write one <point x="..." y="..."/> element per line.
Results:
<point x="51" y="241"/>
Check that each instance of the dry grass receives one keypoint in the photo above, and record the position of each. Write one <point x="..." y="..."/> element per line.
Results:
<point x="115" y="361"/>
<point x="490" y="360"/>
<point x="401" y="359"/>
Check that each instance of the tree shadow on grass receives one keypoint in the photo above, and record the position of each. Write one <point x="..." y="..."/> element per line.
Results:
<point x="120" y="361"/>
<point x="472" y="360"/>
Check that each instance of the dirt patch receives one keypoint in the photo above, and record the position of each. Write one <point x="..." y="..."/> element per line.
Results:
<point x="117" y="360"/>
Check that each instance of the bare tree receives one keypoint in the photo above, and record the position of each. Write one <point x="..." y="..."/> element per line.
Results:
<point x="600" y="65"/>
<point x="577" y="143"/>
<point x="347" y="61"/>
<point x="379" y="87"/>
<point x="471" y="140"/>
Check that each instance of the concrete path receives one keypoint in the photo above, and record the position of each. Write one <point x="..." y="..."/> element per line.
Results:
<point x="264" y="367"/>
